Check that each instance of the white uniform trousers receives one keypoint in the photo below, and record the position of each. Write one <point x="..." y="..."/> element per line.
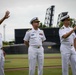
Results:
<point x="68" y="54"/>
<point x="1" y="63"/>
<point x="35" y="55"/>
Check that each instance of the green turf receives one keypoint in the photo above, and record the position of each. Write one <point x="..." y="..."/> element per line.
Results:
<point x="15" y="61"/>
<point x="47" y="71"/>
<point x="16" y="55"/>
<point x="52" y="55"/>
<point x="21" y="60"/>
<point x="26" y="55"/>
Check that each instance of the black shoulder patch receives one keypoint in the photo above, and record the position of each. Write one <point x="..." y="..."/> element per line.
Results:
<point x="62" y="28"/>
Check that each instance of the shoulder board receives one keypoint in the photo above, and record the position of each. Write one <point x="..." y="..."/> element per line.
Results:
<point x="62" y="28"/>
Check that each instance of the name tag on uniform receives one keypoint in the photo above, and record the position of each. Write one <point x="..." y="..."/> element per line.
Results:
<point x="40" y="34"/>
<point x="32" y="34"/>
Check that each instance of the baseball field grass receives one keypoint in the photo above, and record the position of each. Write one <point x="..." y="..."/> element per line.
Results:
<point x="17" y="64"/>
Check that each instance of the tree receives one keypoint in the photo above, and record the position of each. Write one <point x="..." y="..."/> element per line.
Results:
<point x="42" y="25"/>
<point x="61" y="24"/>
<point x="72" y="22"/>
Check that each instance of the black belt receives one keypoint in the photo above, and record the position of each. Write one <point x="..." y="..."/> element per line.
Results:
<point x="71" y="45"/>
<point x="36" y="46"/>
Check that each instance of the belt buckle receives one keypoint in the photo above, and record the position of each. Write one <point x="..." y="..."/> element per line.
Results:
<point x="71" y="44"/>
<point x="38" y="46"/>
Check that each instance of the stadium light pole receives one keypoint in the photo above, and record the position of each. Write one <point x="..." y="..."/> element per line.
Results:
<point x="49" y="16"/>
<point x="4" y="30"/>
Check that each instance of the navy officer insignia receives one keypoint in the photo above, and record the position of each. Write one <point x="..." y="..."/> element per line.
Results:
<point x="32" y="34"/>
<point x="62" y="28"/>
<point x="40" y="33"/>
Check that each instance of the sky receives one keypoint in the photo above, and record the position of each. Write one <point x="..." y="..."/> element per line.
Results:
<point x="22" y="11"/>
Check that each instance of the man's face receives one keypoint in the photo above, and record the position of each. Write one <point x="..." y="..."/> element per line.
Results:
<point x="35" y="24"/>
<point x="67" y="22"/>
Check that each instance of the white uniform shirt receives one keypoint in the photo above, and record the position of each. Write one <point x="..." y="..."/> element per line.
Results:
<point x="1" y="52"/>
<point x="35" y="37"/>
<point x="69" y="40"/>
<point x="1" y="41"/>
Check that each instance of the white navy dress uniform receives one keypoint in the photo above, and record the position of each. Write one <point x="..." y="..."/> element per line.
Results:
<point x="2" y="59"/>
<point x="67" y="50"/>
<point x="35" y="50"/>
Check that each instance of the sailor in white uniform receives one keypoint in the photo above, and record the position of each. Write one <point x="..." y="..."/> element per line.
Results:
<point x="2" y="59"/>
<point x="33" y="39"/>
<point x="68" y="45"/>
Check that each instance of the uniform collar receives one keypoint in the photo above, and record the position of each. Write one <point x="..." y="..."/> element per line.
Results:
<point x="35" y="30"/>
<point x="66" y="27"/>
